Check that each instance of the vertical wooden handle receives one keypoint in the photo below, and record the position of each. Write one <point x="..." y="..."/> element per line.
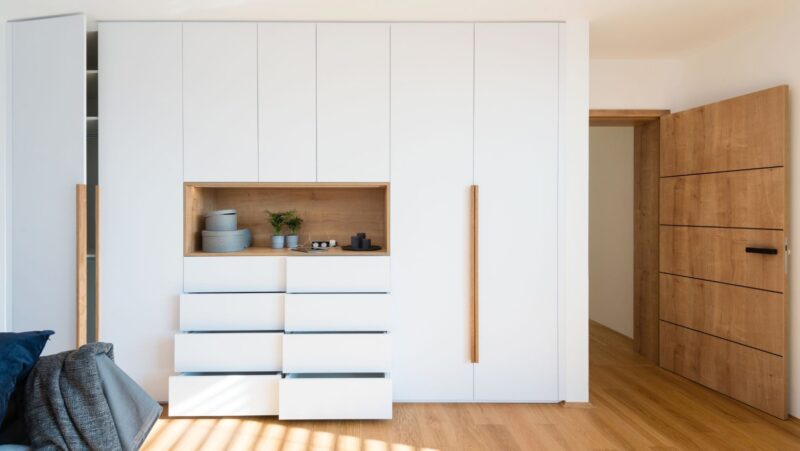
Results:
<point x="81" y="280"/>
<point x="475" y="295"/>
<point x="97" y="263"/>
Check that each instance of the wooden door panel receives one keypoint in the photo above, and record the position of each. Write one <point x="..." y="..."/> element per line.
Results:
<point x="720" y="255"/>
<point x="743" y="315"/>
<point x="749" y="375"/>
<point x="740" y="133"/>
<point x="722" y="251"/>
<point x="753" y="199"/>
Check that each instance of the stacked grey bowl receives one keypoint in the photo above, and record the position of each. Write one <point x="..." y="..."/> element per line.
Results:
<point x="221" y="234"/>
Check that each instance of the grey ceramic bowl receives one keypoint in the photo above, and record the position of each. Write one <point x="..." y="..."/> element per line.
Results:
<point x="221" y="221"/>
<point x="224" y="241"/>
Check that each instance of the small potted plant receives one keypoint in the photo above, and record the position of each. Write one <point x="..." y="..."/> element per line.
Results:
<point x="278" y="220"/>
<point x="293" y="222"/>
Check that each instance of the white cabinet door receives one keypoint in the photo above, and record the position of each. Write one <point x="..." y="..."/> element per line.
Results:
<point x="220" y="102"/>
<point x="516" y="168"/>
<point x="287" y="102"/>
<point x="47" y="90"/>
<point x="141" y="236"/>
<point x="431" y="178"/>
<point x="353" y="102"/>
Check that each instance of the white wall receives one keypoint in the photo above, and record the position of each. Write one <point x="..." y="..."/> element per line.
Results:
<point x="611" y="227"/>
<point x="627" y="83"/>
<point x="757" y="58"/>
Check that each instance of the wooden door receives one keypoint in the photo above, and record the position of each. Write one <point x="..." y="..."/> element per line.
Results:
<point x="432" y="95"/>
<point x="723" y="199"/>
<point x="287" y="102"/>
<point x="140" y="173"/>
<point x="353" y="102"/>
<point x="220" y="102"/>
<point x="516" y="168"/>
<point x="47" y="87"/>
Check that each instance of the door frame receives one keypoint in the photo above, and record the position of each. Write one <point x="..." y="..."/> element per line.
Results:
<point x="646" y="150"/>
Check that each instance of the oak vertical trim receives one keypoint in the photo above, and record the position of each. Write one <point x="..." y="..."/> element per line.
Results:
<point x="645" y="239"/>
<point x="475" y="330"/>
<point x="97" y="263"/>
<point x="80" y="263"/>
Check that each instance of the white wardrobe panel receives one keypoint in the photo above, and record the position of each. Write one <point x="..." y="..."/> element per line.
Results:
<point x="431" y="176"/>
<point x="516" y="168"/>
<point x="141" y="196"/>
<point x="352" y="102"/>
<point x="287" y="102"/>
<point x="220" y="102"/>
<point x="47" y="123"/>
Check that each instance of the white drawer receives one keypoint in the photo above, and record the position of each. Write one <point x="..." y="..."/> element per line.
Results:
<point x="337" y="274"/>
<point x="231" y="311"/>
<point x="223" y="395"/>
<point x="228" y="352"/>
<point x="234" y="274"/>
<point x="336" y="397"/>
<point x="337" y="353"/>
<point x="353" y="312"/>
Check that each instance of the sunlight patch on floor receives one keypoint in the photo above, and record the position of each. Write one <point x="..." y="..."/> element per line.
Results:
<point x="245" y="434"/>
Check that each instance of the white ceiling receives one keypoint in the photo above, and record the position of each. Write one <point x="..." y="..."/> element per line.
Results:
<point x="620" y="28"/>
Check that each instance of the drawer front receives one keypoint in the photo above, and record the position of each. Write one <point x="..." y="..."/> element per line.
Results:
<point x="234" y="274"/>
<point x="223" y="395"/>
<point x="754" y="377"/>
<point x="231" y="312"/>
<point x="337" y="312"/>
<point x="337" y="274"/>
<point x="743" y="315"/>
<point x="337" y="353"/>
<point x="228" y="352"/>
<point x="335" y="398"/>
<point x="720" y="255"/>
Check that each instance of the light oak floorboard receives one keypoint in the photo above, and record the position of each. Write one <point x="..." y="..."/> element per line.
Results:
<point x="634" y="406"/>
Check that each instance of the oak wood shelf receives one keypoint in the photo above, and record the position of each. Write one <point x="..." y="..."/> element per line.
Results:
<point x="332" y="211"/>
<point x="268" y="251"/>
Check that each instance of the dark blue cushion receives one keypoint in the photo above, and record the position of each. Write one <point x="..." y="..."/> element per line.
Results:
<point x="18" y="353"/>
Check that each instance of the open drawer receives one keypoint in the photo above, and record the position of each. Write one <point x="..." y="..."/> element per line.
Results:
<point x="335" y="397"/>
<point x="337" y="353"/>
<point x="223" y="395"/>
<point x="228" y="352"/>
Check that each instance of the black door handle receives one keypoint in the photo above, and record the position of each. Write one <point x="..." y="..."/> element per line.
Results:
<point x="761" y="250"/>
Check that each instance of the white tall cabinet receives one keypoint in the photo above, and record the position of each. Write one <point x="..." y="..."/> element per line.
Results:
<point x="353" y="102"/>
<point x="141" y="196"/>
<point x="498" y="131"/>
<point x="516" y="169"/>
<point x="47" y="143"/>
<point x="220" y="97"/>
<point x="432" y="170"/>
<point x="433" y="108"/>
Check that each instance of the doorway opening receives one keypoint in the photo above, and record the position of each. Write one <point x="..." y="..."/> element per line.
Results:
<point x="623" y="224"/>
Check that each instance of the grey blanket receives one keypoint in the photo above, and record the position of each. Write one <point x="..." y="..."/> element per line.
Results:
<point x="80" y="399"/>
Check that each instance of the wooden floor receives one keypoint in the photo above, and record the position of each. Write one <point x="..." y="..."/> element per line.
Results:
<point x="634" y="405"/>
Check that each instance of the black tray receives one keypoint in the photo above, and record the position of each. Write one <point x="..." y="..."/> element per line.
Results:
<point x="371" y="248"/>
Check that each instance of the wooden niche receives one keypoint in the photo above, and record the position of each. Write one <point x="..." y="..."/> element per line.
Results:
<point x="331" y="211"/>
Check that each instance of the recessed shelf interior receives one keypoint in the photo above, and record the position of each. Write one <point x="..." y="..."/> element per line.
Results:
<point x="329" y="210"/>
<point x="91" y="94"/>
<point x="91" y="50"/>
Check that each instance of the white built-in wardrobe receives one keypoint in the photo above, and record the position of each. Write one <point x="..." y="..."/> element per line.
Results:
<point x="464" y="121"/>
